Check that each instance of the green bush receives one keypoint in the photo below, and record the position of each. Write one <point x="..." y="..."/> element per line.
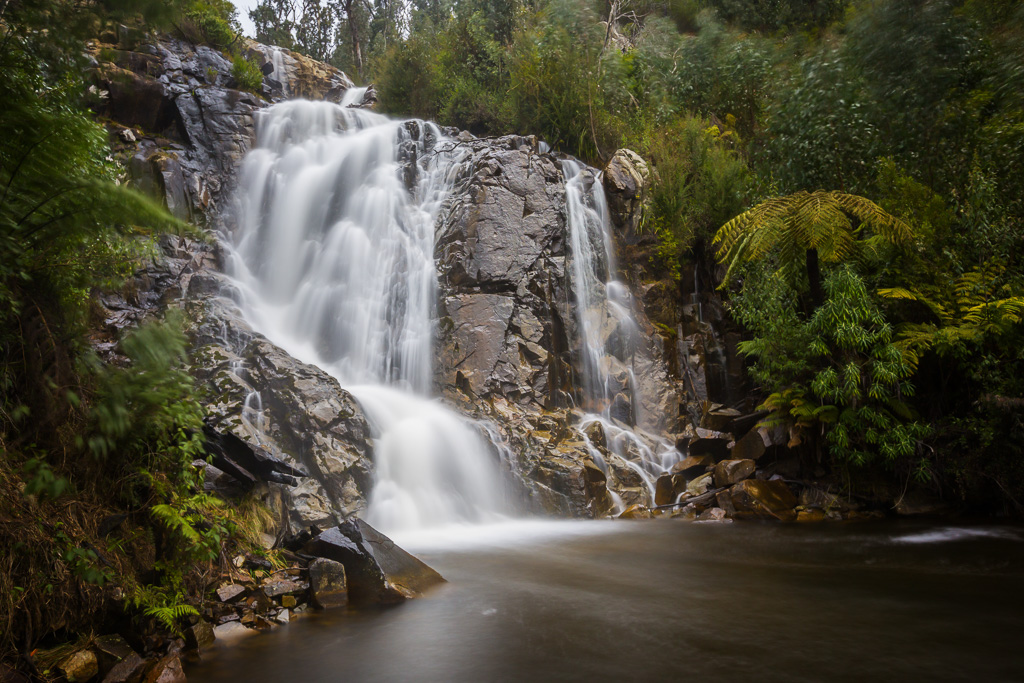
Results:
<point x="212" y="22"/>
<point x="700" y="182"/>
<point x="247" y="74"/>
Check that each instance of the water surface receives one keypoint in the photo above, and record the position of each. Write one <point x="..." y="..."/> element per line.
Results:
<point x="665" y="600"/>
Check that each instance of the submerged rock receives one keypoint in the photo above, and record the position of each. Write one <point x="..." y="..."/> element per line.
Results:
<point x="327" y="583"/>
<point x="376" y="570"/>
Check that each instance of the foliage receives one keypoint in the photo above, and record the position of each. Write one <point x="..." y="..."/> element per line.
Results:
<point x="247" y="74"/>
<point x="963" y="317"/>
<point x="212" y="22"/>
<point x="837" y="373"/>
<point x="700" y="183"/>
<point x="804" y="228"/>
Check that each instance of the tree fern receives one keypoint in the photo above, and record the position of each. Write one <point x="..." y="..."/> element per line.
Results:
<point x="804" y="227"/>
<point x="967" y="312"/>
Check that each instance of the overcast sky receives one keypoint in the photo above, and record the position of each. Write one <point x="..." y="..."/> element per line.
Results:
<point x="243" y="7"/>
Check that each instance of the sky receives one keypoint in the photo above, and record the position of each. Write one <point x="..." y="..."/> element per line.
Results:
<point x="243" y="7"/>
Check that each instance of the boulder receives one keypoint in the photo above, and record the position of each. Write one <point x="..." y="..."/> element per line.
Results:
<point x="721" y="418"/>
<point x="230" y="592"/>
<point x="110" y="650"/>
<point x="636" y="512"/>
<point x="626" y="180"/>
<point x="729" y="472"/>
<point x="128" y="670"/>
<point x="80" y="666"/>
<point x="327" y="583"/>
<point x="714" y="445"/>
<point x="166" y="670"/>
<point x="756" y="498"/>
<point x="750" y="447"/>
<point x="700" y="485"/>
<point x="664" y="490"/>
<point x="713" y="515"/>
<point x="276" y="587"/>
<point x="199" y="635"/>
<point x="692" y="466"/>
<point x="376" y="570"/>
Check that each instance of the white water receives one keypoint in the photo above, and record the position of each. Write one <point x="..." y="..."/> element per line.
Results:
<point x="333" y="258"/>
<point x="610" y="335"/>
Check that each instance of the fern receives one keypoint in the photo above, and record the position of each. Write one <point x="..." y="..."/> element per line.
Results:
<point x="170" y="615"/>
<point x="968" y="312"/>
<point x="793" y="224"/>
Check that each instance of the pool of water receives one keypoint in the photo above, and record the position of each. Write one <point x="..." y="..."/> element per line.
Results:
<point x="666" y="600"/>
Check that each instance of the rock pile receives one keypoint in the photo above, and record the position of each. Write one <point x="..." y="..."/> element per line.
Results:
<point x="736" y="469"/>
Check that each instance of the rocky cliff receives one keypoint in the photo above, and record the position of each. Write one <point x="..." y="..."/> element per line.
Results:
<point x="507" y="342"/>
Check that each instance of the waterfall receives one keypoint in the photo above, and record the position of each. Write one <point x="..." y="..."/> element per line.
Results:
<point x="333" y="259"/>
<point x="609" y="334"/>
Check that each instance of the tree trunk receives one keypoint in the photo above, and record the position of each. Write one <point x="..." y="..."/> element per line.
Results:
<point x="814" y="278"/>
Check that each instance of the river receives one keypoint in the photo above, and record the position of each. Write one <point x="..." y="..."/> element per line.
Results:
<point x="667" y="600"/>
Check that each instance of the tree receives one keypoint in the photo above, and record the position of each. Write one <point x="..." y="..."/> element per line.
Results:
<point x="806" y="228"/>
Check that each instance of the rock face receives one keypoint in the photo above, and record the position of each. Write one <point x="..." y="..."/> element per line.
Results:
<point x="509" y="343"/>
<point x="297" y="412"/>
<point x="626" y="182"/>
<point x="508" y="340"/>
<point x="376" y="570"/>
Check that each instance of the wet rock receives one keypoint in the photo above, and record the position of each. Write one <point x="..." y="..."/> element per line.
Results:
<point x="692" y="466"/>
<point x="664" y="490"/>
<point x="812" y="497"/>
<point x="811" y="516"/>
<point x="712" y="444"/>
<point x="720" y="419"/>
<point x="376" y="570"/>
<point x="729" y="472"/>
<point x="700" y="485"/>
<point x="595" y="432"/>
<point x="128" y="670"/>
<point x="636" y="512"/>
<point x="199" y="635"/>
<point x="166" y="670"/>
<point x="276" y="587"/>
<point x="750" y="447"/>
<point x="308" y="422"/>
<point x="231" y="592"/>
<point x="327" y="583"/>
<point x="626" y="179"/>
<point x="917" y="503"/>
<point x="80" y="666"/>
<point x="111" y="649"/>
<point x="713" y="515"/>
<point x="758" y="498"/>
<point x="289" y="601"/>
<point x="230" y="631"/>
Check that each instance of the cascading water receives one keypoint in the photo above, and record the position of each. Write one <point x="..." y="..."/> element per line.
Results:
<point x="608" y="330"/>
<point x="333" y="259"/>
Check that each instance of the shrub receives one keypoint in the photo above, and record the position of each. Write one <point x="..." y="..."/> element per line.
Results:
<point x="247" y="74"/>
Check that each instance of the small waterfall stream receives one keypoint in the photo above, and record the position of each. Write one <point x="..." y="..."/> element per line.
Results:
<point x="333" y="259"/>
<point x="610" y="335"/>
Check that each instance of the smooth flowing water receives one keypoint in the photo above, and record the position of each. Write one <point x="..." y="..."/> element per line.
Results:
<point x="609" y="332"/>
<point x="668" y="601"/>
<point x="333" y="258"/>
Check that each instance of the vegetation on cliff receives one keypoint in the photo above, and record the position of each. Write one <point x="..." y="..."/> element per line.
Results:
<point x="101" y="511"/>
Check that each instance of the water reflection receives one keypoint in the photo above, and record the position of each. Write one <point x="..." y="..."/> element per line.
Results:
<point x="666" y="601"/>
